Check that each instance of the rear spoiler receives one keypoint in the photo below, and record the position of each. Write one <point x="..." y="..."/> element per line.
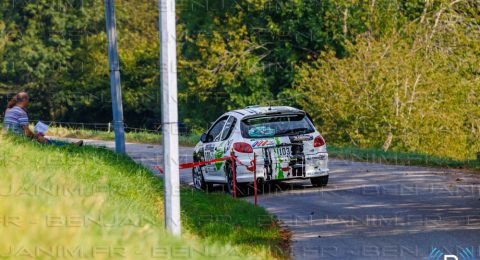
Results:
<point x="275" y="113"/>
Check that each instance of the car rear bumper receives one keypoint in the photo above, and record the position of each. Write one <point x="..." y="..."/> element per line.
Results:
<point x="316" y="173"/>
<point x="248" y="177"/>
<point x="244" y="178"/>
<point x="309" y="166"/>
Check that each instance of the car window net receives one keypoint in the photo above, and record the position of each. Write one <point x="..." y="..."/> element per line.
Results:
<point x="216" y="131"/>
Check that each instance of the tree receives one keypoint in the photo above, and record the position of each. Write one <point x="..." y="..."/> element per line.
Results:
<point x="420" y="89"/>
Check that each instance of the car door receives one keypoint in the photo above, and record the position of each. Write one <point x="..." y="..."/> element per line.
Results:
<point x="219" y="148"/>
<point x="211" y="172"/>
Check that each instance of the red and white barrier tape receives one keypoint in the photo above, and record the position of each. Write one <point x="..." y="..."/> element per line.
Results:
<point x="195" y="164"/>
<point x="252" y="167"/>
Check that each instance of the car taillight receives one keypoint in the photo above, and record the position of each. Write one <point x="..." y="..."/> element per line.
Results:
<point x="318" y="141"/>
<point x="243" y="147"/>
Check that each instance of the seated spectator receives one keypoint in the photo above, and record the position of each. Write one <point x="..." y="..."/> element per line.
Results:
<point x="16" y="120"/>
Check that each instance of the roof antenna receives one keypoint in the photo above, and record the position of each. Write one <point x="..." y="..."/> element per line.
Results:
<point x="269" y="105"/>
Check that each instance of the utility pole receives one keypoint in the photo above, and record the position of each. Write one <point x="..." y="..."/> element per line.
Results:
<point x="115" y="88"/>
<point x="168" y="71"/>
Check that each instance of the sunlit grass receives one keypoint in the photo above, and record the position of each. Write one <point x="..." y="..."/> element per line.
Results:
<point x="89" y="202"/>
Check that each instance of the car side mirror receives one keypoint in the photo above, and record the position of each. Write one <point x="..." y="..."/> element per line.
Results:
<point x="203" y="138"/>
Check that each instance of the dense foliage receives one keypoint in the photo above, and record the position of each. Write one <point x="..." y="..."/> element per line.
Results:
<point x="417" y="90"/>
<point x="383" y="73"/>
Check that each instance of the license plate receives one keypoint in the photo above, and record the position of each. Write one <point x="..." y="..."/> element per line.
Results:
<point x="283" y="151"/>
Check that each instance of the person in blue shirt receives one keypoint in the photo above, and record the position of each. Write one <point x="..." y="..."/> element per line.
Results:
<point x="16" y="120"/>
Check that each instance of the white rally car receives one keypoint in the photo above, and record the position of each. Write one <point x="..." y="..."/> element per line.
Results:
<point x="283" y="141"/>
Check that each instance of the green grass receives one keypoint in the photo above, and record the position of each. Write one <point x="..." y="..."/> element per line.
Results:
<point x="403" y="158"/>
<point x="90" y="202"/>
<point x="134" y="137"/>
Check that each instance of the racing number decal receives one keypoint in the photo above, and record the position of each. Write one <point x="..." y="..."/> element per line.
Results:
<point x="209" y="155"/>
<point x="283" y="151"/>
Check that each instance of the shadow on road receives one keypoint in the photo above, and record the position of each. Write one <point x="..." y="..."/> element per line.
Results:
<point x="269" y="188"/>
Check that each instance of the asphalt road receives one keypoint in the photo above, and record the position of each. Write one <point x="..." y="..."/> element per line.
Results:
<point x="368" y="210"/>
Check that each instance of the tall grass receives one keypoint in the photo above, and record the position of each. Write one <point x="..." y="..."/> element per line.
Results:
<point x="75" y="202"/>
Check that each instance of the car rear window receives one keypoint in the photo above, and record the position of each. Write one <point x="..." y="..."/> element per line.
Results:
<point x="276" y="125"/>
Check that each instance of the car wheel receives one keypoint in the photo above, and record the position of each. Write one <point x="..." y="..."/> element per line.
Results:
<point x="319" y="181"/>
<point x="198" y="181"/>
<point x="229" y="184"/>
<point x="242" y="188"/>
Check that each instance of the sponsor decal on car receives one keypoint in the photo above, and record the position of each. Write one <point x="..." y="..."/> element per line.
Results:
<point x="298" y="138"/>
<point x="218" y="154"/>
<point x="263" y="143"/>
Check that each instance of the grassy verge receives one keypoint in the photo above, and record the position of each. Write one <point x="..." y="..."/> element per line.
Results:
<point x="134" y="137"/>
<point x="75" y="202"/>
<point x="402" y="158"/>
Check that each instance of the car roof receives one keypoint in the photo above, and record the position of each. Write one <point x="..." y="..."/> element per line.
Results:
<point x="258" y="110"/>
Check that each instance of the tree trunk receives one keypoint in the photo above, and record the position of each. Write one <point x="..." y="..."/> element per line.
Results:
<point x="388" y="142"/>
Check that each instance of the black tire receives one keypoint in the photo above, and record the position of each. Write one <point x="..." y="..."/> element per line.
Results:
<point x="198" y="180"/>
<point x="242" y="188"/>
<point x="319" y="181"/>
<point x="229" y="184"/>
